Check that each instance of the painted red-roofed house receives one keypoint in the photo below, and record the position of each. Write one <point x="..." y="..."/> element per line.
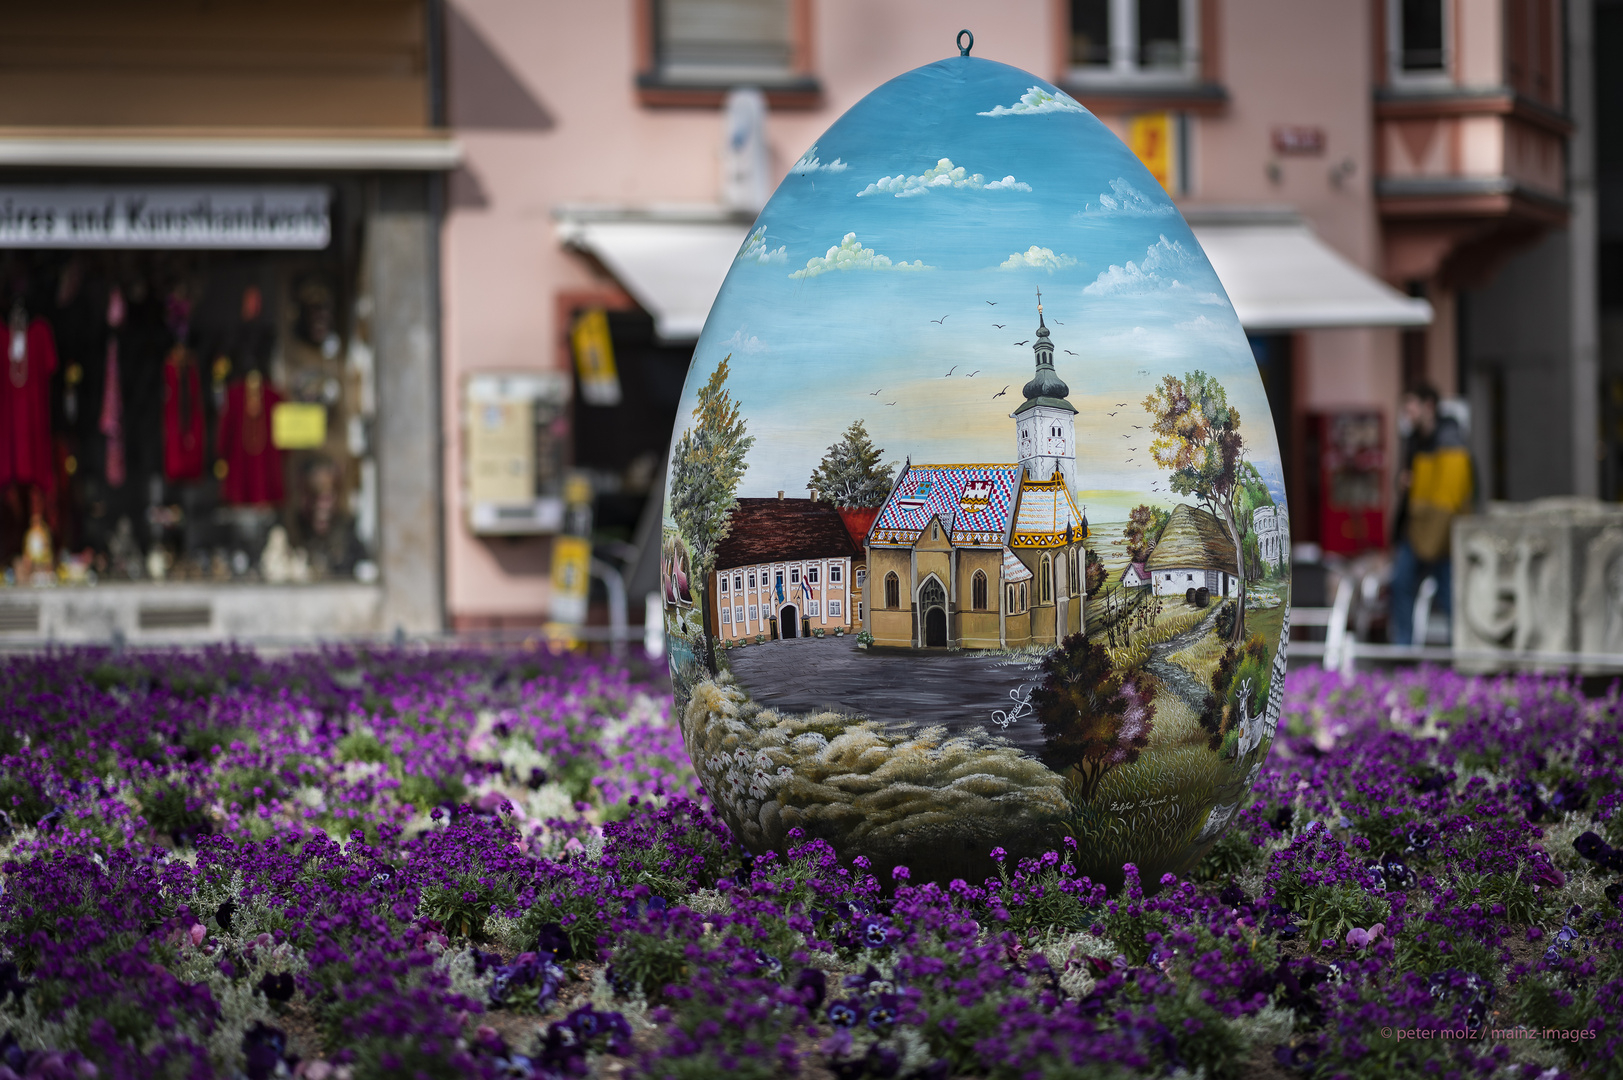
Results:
<point x="788" y="560"/>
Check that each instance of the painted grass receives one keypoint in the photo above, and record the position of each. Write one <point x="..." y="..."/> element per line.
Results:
<point x="1147" y="813"/>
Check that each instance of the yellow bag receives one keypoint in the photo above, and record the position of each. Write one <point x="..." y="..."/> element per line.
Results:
<point x="1438" y="492"/>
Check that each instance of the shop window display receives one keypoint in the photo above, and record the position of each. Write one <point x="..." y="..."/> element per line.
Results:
<point x="184" y="416"/>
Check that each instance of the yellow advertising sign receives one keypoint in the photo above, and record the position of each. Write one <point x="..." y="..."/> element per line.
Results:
<point x="1150" y="136"/>
<point x="571" y="578"/>
<point x="594" y="358"/>
<point x="298" y="425"/>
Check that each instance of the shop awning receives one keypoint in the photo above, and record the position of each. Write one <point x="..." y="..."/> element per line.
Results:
<point x="1281" y="276"/>
<point x="672" y="261"/>
<point x="426" y="153"/>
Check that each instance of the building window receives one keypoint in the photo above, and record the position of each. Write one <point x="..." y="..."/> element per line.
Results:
<point x="738" y="581"/>
<point x="811" y="575"/>
<point x="1420" y="36"/>
<point x="1134" y="39"/>
<point x="726" y="614"/>
<point x="893" y="591"/>
<point x="862" y="578"/>
<point x="834" y="574"/>
<point x="1047" y="570"/>
<point x="752" y="581"/>
<point x="755" y="613"/>
<point x="794" y="576"/>
<point x="977" y="591"/>
<point x="859" y="611"/>
<point x="738" y="614"/>
<point x="1011" y="599"/>
<point x="834" y="609"/>
<point x="811" y="608"/>
<point x="722" y="41"/>
<point x="724" y="583"/>
<point x="1024" y="597"/>
<point x="935" y="531"/>
<point x="1189" y="577"/>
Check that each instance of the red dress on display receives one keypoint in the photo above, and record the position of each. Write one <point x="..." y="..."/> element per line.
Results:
<point x="25" y="409"/>
<point x="253" y="465"/>
<point x="182" y="417"/>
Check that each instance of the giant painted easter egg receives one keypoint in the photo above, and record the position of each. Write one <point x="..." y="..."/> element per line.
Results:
<point x="975" y="533"/>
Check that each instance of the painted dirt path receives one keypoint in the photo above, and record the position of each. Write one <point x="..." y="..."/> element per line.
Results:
<point x="959" y="690"/>
<point x="1174" y="676"/>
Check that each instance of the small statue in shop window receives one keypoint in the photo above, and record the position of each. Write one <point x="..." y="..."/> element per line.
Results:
<point x="35" y="564"/>
<point x="123" y="553"/>
<point x="281" y="563"/>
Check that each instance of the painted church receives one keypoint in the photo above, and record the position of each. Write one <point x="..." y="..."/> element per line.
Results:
<point x="986" y="556"/>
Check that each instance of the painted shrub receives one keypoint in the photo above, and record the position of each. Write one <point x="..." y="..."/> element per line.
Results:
<point x="965" y="494"/>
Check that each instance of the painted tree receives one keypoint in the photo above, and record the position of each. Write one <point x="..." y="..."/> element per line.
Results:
<point x="1197" y="437"/>
<point x="706" y="466"/>
<point x="1144" y="525"/>
<point x="853" y="472"/>
<point x="1093" y="720"/>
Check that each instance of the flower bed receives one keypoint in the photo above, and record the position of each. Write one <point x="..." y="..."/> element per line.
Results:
<point x="345" y="865"/>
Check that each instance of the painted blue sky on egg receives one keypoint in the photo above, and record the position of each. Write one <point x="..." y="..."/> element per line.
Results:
<point x="892" y="278"/>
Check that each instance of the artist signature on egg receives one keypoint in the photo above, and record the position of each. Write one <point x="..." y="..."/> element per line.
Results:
<point x="1142" y="805"/>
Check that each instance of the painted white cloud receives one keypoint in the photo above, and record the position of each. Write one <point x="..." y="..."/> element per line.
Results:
<point x="1037" y="258"/>
<point x="1037" y="101"/>
<point x="743" y="342"/>
<point x="1200" y="324"/>
<point x="756" y="251"/>
<point x="1155" y="272"/>
<point x="943" y="176"/>
<point x="1008" y="183"/>
<point x="849" y="254"/>
<point x="1125" y="199"/>
<point x="808" y="163"/>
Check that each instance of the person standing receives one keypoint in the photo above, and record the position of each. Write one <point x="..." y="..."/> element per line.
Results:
<point x="1434" y="486"/>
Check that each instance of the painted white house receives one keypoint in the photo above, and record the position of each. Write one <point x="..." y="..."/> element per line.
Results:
<point x="1135" y="576"/>
<point x="1194" y="552"/>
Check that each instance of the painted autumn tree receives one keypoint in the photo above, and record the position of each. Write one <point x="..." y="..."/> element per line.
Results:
<point x="706" y="466"/>
<point x="1144" y="525"/>
<point x="1197" y="437"/>
<point x="853" y="473"/>
<point x="1093" y="720"/>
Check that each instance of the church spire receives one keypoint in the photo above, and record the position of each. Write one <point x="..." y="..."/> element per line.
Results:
<point x="1046" y="387"/>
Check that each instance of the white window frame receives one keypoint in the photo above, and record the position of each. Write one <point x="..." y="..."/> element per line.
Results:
<point x="811" y="574"/>
<point x="755" y="613"/>
<point x="752" y="581"/>
<point x="811" y="609"/>
<point x="1394" y="50"/>
<point x="862" y="578"/>
<point x="727" y="615"/>
<point x="724" y="583"/>
<point x="794" y="575"/>
<point x="834" y="575"/>
<point x="834" y="609"/>
<point x="1124" y="65"/>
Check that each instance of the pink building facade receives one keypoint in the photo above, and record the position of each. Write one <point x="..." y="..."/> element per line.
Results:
<point x="1353" y="170"/>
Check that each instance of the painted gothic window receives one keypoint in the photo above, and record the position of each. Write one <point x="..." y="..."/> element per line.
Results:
<point x="1048" y="580"/>
<point x="893" y="591"/>
<point x="977" y="591"/>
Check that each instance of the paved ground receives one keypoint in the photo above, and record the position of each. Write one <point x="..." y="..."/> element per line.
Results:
<point x="964" y="691"/>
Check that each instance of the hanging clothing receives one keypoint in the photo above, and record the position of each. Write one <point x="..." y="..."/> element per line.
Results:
<point x="183" y="448"/>
<point x="25" y="407"/>
<point x="253" y="465"/>
<point x="111" y="421"/>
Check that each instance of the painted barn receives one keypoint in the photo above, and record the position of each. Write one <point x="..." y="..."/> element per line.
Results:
<point x="1194" y="552"/>
<point x="785" y="568"/>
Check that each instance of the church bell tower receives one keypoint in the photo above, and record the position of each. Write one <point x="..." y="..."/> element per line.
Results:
<point x="1045" y="423"/>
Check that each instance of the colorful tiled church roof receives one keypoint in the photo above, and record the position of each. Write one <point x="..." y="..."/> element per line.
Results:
<point x="780" y="530"/>
<point x="1048" y="516"/>
<point x="1013" y="569"/>
<point x="974" y="502"/>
